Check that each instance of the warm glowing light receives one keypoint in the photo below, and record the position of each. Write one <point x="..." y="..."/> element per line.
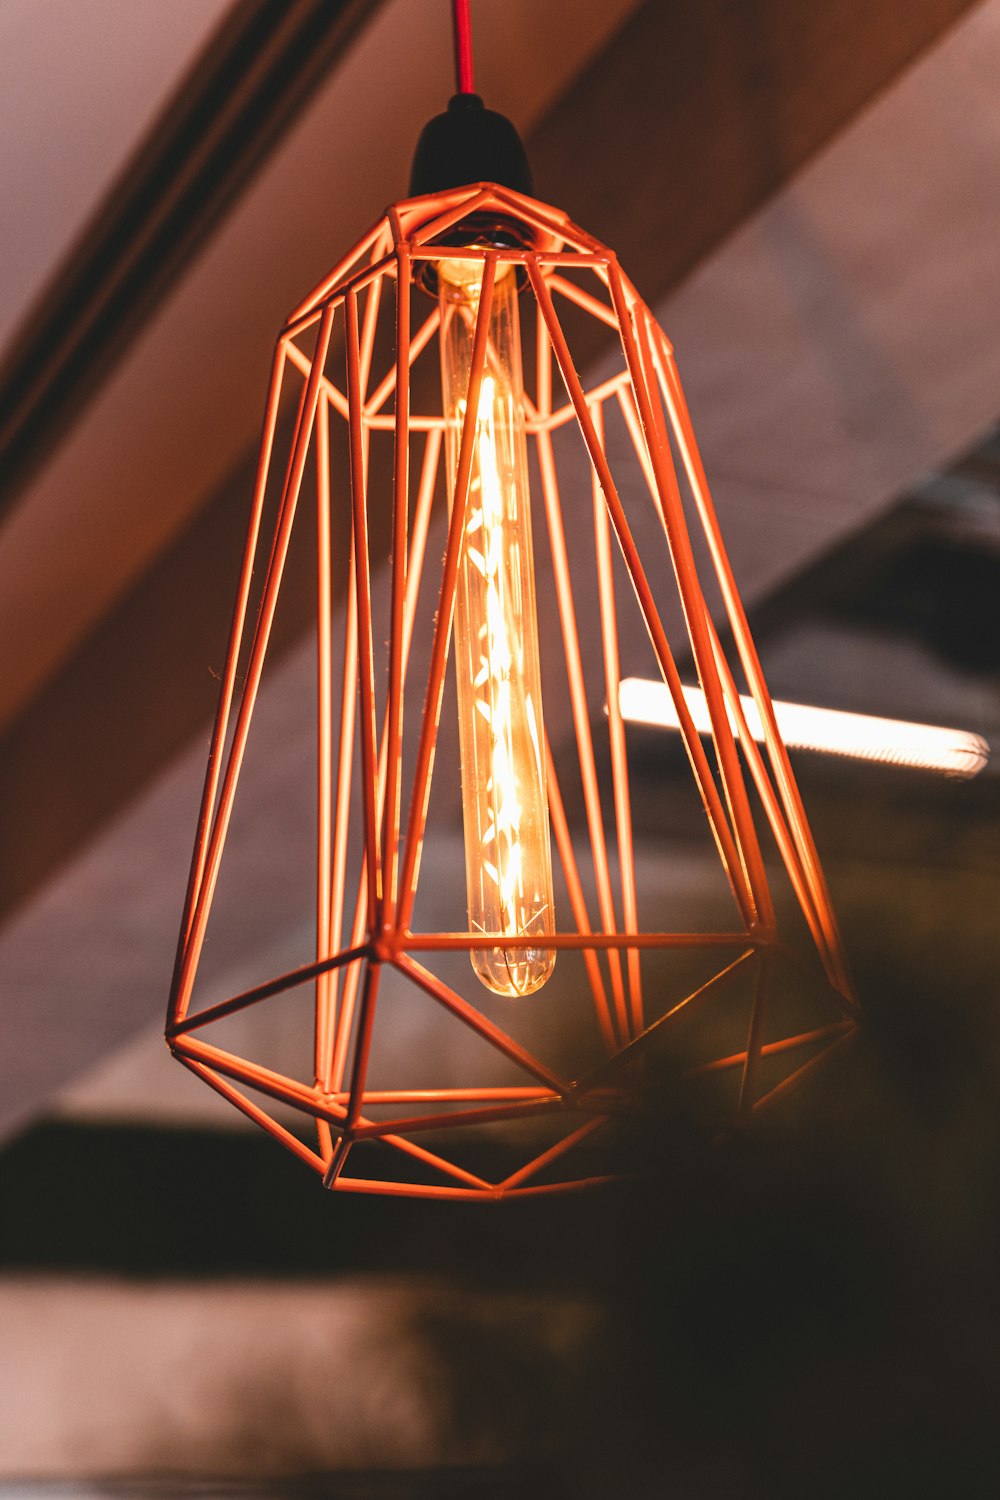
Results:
<point x="507" y="853"/>
<point x="925" y="747"/>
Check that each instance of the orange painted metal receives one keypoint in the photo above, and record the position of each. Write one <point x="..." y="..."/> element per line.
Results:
<point x="369" y="765"/>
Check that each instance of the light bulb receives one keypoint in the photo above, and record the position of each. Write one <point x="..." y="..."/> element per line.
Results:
<point x="508" y="861"/>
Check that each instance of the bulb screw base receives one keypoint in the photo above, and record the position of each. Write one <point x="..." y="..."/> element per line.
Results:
<point x="470" y="143"/>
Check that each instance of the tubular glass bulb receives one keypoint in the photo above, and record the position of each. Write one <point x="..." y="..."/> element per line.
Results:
<point x="508" y="860"/>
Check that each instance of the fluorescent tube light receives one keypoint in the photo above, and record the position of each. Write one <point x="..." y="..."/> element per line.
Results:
<point x="925" y="747"/>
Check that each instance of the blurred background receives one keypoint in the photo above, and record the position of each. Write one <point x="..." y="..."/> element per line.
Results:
<point x="809" y="198"/>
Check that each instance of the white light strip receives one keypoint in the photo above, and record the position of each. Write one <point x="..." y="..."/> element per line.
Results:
<point x="926" y="747"/>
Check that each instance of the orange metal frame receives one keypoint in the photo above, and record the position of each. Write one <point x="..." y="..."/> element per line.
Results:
<point x="357" y="938"/>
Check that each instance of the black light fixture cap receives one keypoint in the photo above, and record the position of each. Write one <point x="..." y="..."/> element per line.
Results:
<point x="469" y="143"/>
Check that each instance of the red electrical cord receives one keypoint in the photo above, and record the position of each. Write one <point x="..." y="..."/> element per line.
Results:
<point x="462" y="25"/>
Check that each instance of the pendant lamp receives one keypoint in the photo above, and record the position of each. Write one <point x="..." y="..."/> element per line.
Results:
<point x="439" y="415"/>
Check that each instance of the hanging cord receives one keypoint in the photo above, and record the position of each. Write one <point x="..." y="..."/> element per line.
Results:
<point x="462" y="26"/>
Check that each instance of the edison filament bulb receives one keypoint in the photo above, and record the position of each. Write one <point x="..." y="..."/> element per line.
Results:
<point x="508" y="858"/>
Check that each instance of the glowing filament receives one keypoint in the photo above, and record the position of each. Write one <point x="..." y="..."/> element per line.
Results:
<point x="505" y="814"/>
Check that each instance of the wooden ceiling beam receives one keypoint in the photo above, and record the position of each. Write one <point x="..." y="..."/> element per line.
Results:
<point x="255" y="76"/>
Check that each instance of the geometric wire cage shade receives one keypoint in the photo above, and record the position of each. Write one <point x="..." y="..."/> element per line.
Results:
<point x="547" y="1080"/>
